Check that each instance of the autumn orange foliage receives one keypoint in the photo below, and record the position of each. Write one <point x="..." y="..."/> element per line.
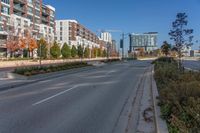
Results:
<point x="33" y="44"/>
<point x="22" y="43"/>
<point x="12" y="45"/>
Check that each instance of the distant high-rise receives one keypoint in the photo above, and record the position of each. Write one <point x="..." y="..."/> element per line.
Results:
<point x="147" y="41"/>
<point x="106" y="36"/>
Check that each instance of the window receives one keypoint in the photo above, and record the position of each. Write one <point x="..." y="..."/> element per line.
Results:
<point x="30" y="10"/>
<point x="30" y="1"/>
<point x="6" y="1"/>
<point x="18" y="22"/>
<point x="37" y="13"/>
<point x="30" y="18"/>
<point x="37" y="20"/>
<point x="5" y="10"/>
<point x="37" y="4"/>
<point x="25" y="23"/>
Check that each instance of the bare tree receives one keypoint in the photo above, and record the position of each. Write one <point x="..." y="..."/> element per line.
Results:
<point x="12" y="42"/>
<point x="180" y="34"/>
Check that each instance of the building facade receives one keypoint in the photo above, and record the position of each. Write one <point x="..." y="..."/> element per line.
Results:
<point x="194" y="53"/>
<point x="17" y="16"/>
<point x="106" y="36"/>
<point x="146" y="41"/>
<point x="73" y="33"/>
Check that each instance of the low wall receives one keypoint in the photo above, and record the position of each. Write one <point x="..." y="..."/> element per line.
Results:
<point x="21" y="63"/>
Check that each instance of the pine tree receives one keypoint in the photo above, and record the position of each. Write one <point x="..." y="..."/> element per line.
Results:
<point x="165" y="48"/>
<point x="42" y="48"/>
<point x="99" y="52"/>
<point x="55" y="50"/>
<point x="73" y="51"/>
<point x="80" y="51"/>
<point x="87" y="52"/>
<point x="104" y="53"/>
<point x="66" y="51"/>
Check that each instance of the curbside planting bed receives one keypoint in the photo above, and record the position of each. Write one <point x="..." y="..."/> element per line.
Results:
<point x="30" y="71"/>
<point x="179" y="96"/>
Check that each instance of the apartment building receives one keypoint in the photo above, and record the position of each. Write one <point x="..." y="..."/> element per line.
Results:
<point x="17" y="16"/>
<point x="73" y="33"/>
<point x="147" y="41"/>
<point x="106" y="36"/>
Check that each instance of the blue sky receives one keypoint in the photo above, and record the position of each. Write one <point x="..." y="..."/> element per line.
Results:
<point x="130" y="16"/>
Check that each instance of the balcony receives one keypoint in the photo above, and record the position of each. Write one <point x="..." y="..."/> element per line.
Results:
<point x="44" y="19"/>
<point x="19" y="8"/>
<point x="45" y="12"/>
<point x="23" y="2"/>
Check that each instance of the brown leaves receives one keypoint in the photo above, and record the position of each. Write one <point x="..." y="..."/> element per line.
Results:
<point x="22" y="43"/>
<point x="12" y="44"/>
<point x="32" y="44"/>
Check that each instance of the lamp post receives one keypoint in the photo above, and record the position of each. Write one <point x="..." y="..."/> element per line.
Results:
<point x="40" y="56"/>
<point x="108" y="50"/>
<point x="123" y="46"/>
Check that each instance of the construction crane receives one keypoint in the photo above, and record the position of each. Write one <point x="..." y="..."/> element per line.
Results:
<point x="111" y="31"/>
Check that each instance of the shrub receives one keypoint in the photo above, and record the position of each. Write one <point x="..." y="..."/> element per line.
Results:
<point x="28" y="71"/>
<point x="179" y="96"/>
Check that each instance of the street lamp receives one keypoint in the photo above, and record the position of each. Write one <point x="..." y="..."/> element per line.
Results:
<point x="40" y="56"/>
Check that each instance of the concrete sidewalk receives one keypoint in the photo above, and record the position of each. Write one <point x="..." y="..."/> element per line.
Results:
<point x="141" y="110"/>
<point x="149" y="115"/>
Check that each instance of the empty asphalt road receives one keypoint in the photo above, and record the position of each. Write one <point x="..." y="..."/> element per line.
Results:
<point x="192" y="64"/>
<point x="84" y="102"/>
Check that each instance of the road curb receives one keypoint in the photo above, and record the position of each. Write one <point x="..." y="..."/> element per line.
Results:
<point x="189" y="69"/>
<point x="161" y="125"/>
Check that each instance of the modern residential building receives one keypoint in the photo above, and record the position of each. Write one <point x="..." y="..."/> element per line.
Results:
<point x="18" y="16"/>
<point x="114" y="46"/>
<point x="73" y="33"/>
<point x="106" y="36"/>
<point x="194" y="53"/>
<point x="186" y="50"/>
<point x="146" y="41"/>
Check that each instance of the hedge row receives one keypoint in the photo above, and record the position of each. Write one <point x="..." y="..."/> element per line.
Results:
<point x="29" y="71"/>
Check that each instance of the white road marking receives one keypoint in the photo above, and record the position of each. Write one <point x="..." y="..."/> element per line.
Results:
<point x="60" y="93"/>
<point x="79" y="85"/>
